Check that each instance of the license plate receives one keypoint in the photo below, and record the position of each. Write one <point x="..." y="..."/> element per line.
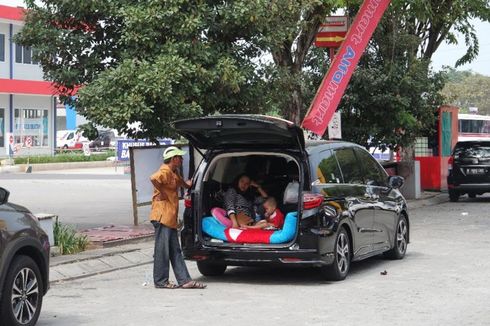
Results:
<point x="475" y="171"/>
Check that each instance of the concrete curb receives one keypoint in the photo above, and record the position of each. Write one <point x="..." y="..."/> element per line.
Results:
<point x="55" y="166"/>
<point x="117" y="243"/>
<point x="437" y="198"/>
<point x="99" y="261"/>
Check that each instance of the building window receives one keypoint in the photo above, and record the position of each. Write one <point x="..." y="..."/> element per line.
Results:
<point x="34" y="60"/>
<point x="2" y="127"/>
<point x="2" y="47"/>
<point x="27" y="55"/>
<point x="18" y="53"/>
<point x="31" y="126"/>
<point x="23" y="54"/>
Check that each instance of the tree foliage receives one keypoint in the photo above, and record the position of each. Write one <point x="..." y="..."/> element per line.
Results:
<point x="146" y="62"/>
<point x="435" y="22"/>
<point x="466" y="89"/>
<point x="153" y="61"/>
<point x="393" y="96"/>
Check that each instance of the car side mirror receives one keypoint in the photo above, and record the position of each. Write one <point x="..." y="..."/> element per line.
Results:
<point x="4" y="196"/>
<point x="395" y="182"/>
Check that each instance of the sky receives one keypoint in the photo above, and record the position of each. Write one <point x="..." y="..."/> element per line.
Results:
<point x="446" y="55"/>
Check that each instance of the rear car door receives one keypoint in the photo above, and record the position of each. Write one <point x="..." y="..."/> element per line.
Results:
<point x="382" y="198"/>
<point x="359" y="200"/>
<point x="241" y="131"/>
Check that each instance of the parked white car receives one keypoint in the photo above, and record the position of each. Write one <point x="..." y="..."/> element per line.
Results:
<point x="70" y="140"/>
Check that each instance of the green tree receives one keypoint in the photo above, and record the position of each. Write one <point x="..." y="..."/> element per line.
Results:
<point x="393" y="96"/>
<point x="466" y="89"/>
<point x="143" y="64"/>
<point x="153" y="62"/>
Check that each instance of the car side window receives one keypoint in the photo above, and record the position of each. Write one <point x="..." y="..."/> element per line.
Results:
<point x="349" y="165"/>
<point x="328" y="170"/>
<point x="373" y="173"/>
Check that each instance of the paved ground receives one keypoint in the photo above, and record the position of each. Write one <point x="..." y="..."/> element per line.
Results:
<point x="124" y="254"/>
<point x="82" y="198"/>
<point x="443" y="280"/>
<point x="112" y="186"/>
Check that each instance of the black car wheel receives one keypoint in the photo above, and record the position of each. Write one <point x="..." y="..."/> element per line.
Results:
<point x="210" y="269"/>
<point x="472" y="195"/>
<point x="341" y="265"/>
<point x="453" y="195"/>
<point x="22" y="294"/>
<point x="401" y="240"/>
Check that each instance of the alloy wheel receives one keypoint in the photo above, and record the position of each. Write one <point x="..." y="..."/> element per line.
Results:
<point x="401" y="236"/>
<point x="343" y="253"/>
<point x="25" y="295"/>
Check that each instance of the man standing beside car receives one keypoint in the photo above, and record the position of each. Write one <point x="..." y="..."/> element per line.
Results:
<point x="164" y="211"/>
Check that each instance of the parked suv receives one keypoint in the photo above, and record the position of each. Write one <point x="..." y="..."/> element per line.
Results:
<point x="104" y="140"/>
<point x="24" y="264"/>
<point x="469" y="169"/>
<point x="345" y="207"/>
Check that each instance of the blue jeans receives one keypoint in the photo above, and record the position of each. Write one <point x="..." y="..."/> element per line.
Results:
<point x="167" y="250"/>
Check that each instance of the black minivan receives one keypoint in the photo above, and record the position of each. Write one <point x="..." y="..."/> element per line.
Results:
<point x="360" y="213"/>
<point x="469" y="169"/>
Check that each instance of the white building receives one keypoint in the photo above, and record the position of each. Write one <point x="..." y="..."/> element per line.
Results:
<point x="27" y="102"/>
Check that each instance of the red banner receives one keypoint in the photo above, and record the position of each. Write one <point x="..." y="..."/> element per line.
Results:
<point x="334" y="83"/>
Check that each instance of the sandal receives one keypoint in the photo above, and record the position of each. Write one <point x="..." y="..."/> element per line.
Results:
<point x="168" y="285"/>
<point x="193" y="285"/>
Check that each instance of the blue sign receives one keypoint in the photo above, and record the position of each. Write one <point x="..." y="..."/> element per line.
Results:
<point x="124" y="145"/>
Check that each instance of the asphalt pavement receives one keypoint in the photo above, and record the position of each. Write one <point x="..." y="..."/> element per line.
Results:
<point x="131" y="254"/>
<point x="123" y="246"/>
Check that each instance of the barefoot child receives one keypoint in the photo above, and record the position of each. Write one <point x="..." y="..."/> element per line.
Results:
<point x="274" y="218"/>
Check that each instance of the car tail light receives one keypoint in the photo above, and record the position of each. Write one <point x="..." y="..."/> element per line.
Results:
<point x="450" y="163"/>
<point x="199" y="257"/>
<point x="312" y="201"/>
<point x="187" y="201"/>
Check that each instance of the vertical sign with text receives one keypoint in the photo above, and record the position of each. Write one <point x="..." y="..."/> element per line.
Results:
<point x="333" y="85"/>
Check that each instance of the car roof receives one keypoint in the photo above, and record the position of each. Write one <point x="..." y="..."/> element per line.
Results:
<point x="315" y="146"/>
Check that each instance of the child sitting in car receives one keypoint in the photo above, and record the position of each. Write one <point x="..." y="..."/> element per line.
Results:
<point x="273" y="217"/>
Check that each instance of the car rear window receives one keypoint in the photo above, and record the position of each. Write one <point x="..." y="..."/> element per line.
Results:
<point x="471" y="149"/>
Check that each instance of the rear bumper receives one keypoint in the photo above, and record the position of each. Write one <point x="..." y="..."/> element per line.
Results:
<point x="247" y="257"/>
<point x="470" y="187"/>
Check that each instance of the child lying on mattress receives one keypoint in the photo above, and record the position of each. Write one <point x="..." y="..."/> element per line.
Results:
<point x="273" y="217"/>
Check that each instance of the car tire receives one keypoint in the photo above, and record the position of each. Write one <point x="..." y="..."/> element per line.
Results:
<point x="453" y="196"/>
<point x="211" y="269"/>
<point x="26" y="296"/>
<point x="472" y="195"/>
<point x="340" y="267"/>
<point x="401" y="240"/>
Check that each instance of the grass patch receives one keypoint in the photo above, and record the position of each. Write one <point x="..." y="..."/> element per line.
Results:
<point x="67" y="239"/>
<point x="65" y="157"/>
